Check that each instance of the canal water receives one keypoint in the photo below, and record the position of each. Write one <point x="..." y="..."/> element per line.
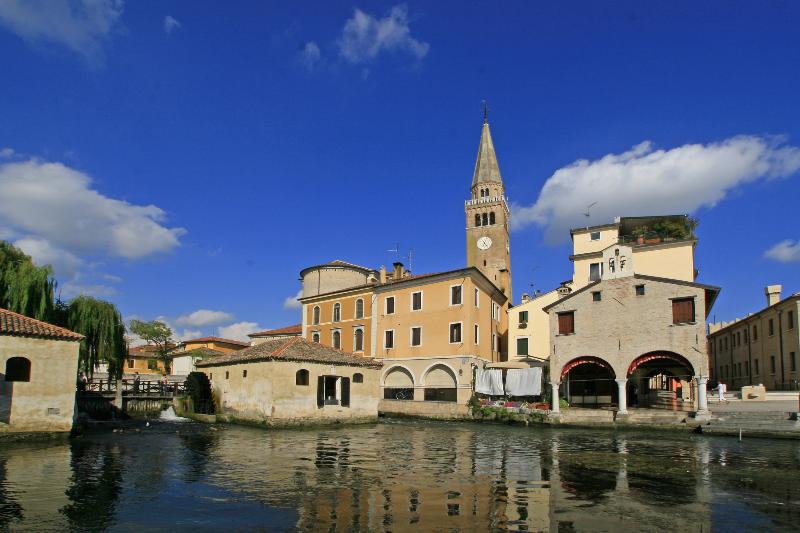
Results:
<point x="398" y="476"/>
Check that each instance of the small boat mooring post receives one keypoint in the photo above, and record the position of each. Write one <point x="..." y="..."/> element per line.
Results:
<point x="740" y="434"/>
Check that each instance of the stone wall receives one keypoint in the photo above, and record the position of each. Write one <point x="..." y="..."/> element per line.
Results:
<point x="46" y="402"/>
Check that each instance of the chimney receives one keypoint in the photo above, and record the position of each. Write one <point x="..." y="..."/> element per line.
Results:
<point x="773" y="293"/>
<point x="525" y="297"/>
<point x="382" y="274"/>
<point x="397" y="271"/>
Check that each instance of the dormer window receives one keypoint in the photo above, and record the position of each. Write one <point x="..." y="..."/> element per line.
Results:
<point x="595" y="236"/>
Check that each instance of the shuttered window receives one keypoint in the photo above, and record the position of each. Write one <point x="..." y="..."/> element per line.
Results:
<point x="682" y="310"/>
<point x="566" y="323"/>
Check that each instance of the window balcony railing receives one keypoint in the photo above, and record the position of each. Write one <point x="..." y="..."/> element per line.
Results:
<point x="485" y="200"/>
<point x="652" y="237"/>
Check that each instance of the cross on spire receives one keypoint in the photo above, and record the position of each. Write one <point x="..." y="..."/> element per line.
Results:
<point x="485" y="112"/>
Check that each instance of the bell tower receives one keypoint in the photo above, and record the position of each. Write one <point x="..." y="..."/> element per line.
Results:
<point x="488" y="240"/>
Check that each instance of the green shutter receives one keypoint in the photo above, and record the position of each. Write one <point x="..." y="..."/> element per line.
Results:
<point x="345" y="392"/>
<point x="320" y="391"/>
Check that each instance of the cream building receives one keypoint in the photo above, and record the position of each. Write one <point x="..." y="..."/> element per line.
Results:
<point x="760" y="349"/>
<point x="190" y="352"/>
<point x="293" y="381"/>
<point x="40" y="370"/>
<point x="287" y="332"/>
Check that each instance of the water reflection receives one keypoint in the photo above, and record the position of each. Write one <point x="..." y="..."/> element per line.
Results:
<point x="397" y="476"/>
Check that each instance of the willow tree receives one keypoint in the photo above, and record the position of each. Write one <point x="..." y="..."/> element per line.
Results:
<point x="24" y="287"/>
<point x="101" y="323"/>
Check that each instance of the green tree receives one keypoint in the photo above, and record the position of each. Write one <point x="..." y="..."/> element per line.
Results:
<point x="24" y="287"/>
<point x="101" y="323"/>
<point x="158" y="334"/>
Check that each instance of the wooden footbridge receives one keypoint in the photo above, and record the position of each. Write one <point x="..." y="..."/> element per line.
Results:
<point x="105" y="397"/>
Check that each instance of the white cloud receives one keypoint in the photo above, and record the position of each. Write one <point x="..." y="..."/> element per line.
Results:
<point x="364" y="37"/>
<point x="83" y="26"/>
<point x="54" y="203"/>
<point x="170" y="24"/>
<point x="787" y="251"/>
<point x="644" y="180"/>
<point x="239" y="330"/>
<point x="310" y="55"/>
<point x="6" y="153"/>
<point x="112" y="278"/>
<point x="71" y="289"/>
<point x="203" y="317"/>
<point x="291" y="301"/>
<point x="64" y="263"/>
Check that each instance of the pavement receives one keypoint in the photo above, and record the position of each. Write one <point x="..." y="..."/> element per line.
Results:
<point x="769" y="406"/>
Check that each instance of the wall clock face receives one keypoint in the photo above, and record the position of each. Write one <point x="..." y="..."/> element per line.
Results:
<point x="484" y="243"/>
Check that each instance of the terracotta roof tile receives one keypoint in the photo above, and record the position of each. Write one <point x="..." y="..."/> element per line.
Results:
<point x="216" y="339"/>
<point x="294" y="349"/>
<point x="17" y="325"/>
<point x="295" y="329"/>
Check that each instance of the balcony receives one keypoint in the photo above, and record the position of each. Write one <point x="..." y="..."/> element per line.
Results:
<point x="646" y="231"/>
<point x="485" y="200"/>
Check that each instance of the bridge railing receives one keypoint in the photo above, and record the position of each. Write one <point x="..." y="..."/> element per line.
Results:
<point x="131" y="387"/>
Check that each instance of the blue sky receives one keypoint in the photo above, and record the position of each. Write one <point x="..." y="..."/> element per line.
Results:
<point x="177" y="157"/>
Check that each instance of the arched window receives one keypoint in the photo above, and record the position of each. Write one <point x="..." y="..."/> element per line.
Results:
<point x="301" y="378"/>
<point x="477" y="219"/>
<point x="337" y="312"/>
<point x="358" y="340"/>
<point x="359" y="308"/>
<point x="491" y="217"/>
<point x="482" y="193"/>
<point x="315" y="318"/>
<point x="315" y="336"/>
<point x="337" y="339"/>
<point x="18" y="369"/>
<point x="358" y="378"/>
<point x="485" y="219"/>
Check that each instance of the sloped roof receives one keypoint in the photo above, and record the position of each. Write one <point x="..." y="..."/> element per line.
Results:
<point x="295" y="349"/>
<point x="203" y="353"/>
<point x="17" y="325"/>
<point x="295" y="329"/>
<point x="215" y="339"/>
<point x="486" y="167"/>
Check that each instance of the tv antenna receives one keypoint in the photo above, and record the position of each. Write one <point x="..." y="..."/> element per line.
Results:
<point x="587" y="214"/>
<point x="395" y="251"/>
<point x="410" y="257"/>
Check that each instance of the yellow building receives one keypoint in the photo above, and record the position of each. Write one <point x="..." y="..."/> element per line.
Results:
<point x="761" y="349"/>
<point x="430" y="330"/>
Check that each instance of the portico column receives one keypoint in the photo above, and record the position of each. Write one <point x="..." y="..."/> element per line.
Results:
<point x="623" y="398"/>
<point x="555" y="401"/>
<point x="702" y="395"/>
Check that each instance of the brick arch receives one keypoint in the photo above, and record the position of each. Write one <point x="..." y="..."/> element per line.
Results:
<point x="586" y="360"/>
<point x="665" y="355"/>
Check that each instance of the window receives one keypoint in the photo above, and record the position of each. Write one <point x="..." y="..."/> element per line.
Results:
<point x="640" y="290"/>
<point x="522" y="345"/>
<point x="395" y="393"/>
<point x="358" y="378"/>
<point x="595" y="271"/>
<point x="333" y="390"/>
<point x="477" y="219"/>
<point x="315" y="336"/>
<point x="390" y="305"/>
<point x="495" y="311"/>
<point x="755" y="366"/>
<point x="770" y="328"/>
<point x="336" y="339"/>
<point x="416" y="336"/>
<point x="315" y="317"/>
<point x="485" y="219"/>
<point x="595" y="236"/>
<point x="477" y="334"/>
<point x="682" y="310"/>
<point x="131" y="363"/>
<point x="337" y="312"/>
<point x="18" y="369"/>
<point x="477" y="298"/>
<point x="755" y="333"/>
<point x="358" y="340"/>
<point x="388" y="338"/>
<point x="441" y="395"/>
<point x="455" y="295"/>
<point x="739" y="369"/>
<point x="359" y="308"/>
<point x="301" y="377"/>
<point x="523" y="317"/>
<point x="455" y="333"/>
<point x="566" y="323"/>
<point x="244" y="373"/>
<point x="726" y="343"/>
<point x="792" y="362"/>
<point x="747" y="368"/>
<point x="790" y="320"/>
<point x="227" y="374"/>
<point x="746" y="340"/>
<point x="491" y="218"/>
<point x="596" y="296"/>
<point x="416" y="301"/>
<point x="772" y="364"/>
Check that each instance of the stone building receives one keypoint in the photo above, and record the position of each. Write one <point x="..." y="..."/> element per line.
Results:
<point x="630" y="336"/>
<point x="760" y="349"/>
<point x="293" y="381"/>
<point x="39" y="362"/>
<point x="272" y="334"/>
<point x="186" y="355"/>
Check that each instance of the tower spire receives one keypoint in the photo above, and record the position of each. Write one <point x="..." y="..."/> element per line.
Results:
<point x="486" y="167"/>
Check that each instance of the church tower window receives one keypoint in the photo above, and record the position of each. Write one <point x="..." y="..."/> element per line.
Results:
<point x="491" y="218"/>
